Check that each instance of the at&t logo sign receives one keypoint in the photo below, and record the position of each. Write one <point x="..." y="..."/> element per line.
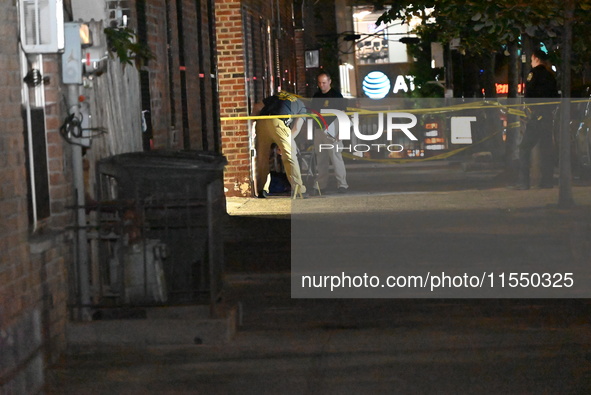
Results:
<point x="376" y="85"/>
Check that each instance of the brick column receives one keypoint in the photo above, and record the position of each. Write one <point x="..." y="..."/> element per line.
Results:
<point x="300" y="48"/>
<point x="232" y="94"/>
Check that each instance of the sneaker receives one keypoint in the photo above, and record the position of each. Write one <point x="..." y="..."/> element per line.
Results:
<point x="342" y="190"/>
<point x="262" y="194"/>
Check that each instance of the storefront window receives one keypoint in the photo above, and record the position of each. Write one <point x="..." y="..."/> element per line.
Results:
<point x="379" y="43"/>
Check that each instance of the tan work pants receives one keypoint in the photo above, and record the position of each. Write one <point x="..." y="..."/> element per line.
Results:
<point x="269" y="131"/>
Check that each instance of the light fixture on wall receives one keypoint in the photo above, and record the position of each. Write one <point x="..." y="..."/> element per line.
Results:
<point x="34" y="78"/>
<point x="85" y="36"/>
<point x="312" y="59"/>
<point x="41" y="26"/>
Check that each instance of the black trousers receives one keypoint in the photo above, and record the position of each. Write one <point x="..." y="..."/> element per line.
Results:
<point x="537" y="131"/>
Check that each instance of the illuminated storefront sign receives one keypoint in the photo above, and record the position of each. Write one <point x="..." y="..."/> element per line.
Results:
<point x="377" y="85"/>
<point x="503" y="89"/>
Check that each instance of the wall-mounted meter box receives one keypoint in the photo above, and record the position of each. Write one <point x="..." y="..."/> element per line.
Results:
<point x="72" y="56"/>
<point x="42" y="25"/>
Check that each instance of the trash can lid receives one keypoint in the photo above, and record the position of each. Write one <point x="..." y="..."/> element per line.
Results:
<point x="166" y="159"/>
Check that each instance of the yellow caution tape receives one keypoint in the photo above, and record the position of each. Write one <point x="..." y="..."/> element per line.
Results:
<point x="444" y="155"/>
<point x="513" y="109"/>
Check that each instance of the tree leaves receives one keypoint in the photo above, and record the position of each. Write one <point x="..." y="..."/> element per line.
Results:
<point x="122" y="42"/>
<point x="486" y="25"/>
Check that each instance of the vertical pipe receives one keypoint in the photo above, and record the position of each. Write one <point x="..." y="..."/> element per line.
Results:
<point x="27" y="104"/>
<point x="81" y="237"/>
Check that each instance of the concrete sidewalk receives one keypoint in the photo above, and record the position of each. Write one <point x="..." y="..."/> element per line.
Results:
<point x="365" y="346"/>
<point x="287" y="346"/>
<point x="495" y="198"/>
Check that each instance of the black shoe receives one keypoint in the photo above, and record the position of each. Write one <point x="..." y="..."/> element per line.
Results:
<point x="519" y="187"/>
<point x="262" y="194"/>
<point x="342" y="190"/>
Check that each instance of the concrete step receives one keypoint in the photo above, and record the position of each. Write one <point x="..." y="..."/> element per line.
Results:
<point x="186" y="325"/>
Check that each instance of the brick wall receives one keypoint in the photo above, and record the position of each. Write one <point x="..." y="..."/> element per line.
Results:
<point x="300" y="48"/>
<point x="34" y="260"/>
<point x="232" y="94"/>
<point x="183" y="112"/>
<point x="166" y="119"/>
<point x="33" y="287"/>
<point x="207" y="76"/>
<point x="58" y="151"/>
<point x="192" y="52"/>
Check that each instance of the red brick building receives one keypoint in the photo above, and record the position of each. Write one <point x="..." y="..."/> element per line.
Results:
<point x="179" y="85"/>
<point x="171" y="102"/>
<point x="34" y="248"/>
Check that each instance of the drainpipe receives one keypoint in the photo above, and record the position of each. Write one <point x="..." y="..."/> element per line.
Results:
<point x="81" y="236"/>
<point x="72" y="79"/>
<point x="27" y="104"/>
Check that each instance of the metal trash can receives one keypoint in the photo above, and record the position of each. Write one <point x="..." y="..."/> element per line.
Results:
<point x="176" y="199"/>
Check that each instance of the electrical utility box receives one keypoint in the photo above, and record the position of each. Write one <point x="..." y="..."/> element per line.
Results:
<point x="72" y="56"/>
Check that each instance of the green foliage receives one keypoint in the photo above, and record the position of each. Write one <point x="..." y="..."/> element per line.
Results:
<point x="122" y="43"/>
<point x="487" y="25"/>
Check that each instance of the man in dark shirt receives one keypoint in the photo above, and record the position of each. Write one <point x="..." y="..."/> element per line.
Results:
<point x="540" y="84"/>
<point x="328" y="98"/>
